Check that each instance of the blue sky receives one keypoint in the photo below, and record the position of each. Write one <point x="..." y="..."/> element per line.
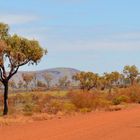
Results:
<point x="90" y="35"/>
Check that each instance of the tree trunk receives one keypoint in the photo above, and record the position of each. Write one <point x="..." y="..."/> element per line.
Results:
<point x="132" y="82"/>
<point x="5" y="111"/>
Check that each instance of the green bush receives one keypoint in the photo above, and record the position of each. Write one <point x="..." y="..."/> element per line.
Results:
<point x="134" y="97"/>
<point x="69" y="107"/>
<point x="54" y="107"/>
<point x="28" y="109"/>
<point x="85" y="110"/>
<point x="120" y="99"/>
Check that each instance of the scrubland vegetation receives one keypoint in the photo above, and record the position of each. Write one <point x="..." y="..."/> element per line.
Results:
<point x="92" y="91"/>
<point x="69" y="102"/>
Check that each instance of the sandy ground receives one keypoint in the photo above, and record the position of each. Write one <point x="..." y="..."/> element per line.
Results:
<point x="119" y="125"/>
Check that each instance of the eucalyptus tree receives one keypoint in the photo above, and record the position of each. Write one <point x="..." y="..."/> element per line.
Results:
<point x="64" y="82"/>
<point x="102" y="82"/>
<point x="131" y="73"/>
<point x="112" y="79"/>
<point x="87" y="80"/>
<point x="15" y="51"/>
<point x="48" y="78"/>
<point x="27" y="78"/>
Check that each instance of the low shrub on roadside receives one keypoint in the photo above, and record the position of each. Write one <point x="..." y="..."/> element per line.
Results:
<point x="67" y="102"/>
<point x="88" y="100"/>
<point x="120" y="99"/>
<point x="129" y="94"/>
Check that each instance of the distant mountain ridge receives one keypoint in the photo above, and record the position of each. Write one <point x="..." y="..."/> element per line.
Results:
<point x="56" y="74"/>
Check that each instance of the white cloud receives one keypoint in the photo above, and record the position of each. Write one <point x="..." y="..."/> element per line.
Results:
<point x="17" y="18"/>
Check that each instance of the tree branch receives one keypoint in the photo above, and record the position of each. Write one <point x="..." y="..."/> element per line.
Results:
<point x="14" y="69"/>
<point x="4" y="71"/>
<point x="0" y="75"/>
<point x="13" y="72"/>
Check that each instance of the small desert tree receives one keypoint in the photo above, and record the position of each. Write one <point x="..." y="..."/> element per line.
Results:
<point x="20" y="84"/>
<point x="63" y="82"/>
<point x="48" y="78"/>
<point x="131" y="73"/>
<point x="16" y="51"/>
<point x="40" y="84"/>
<point x="102" y="82"/>
<point x="27" y="78"/>
<point x="35" y="79"/>
<point x="88" y="80"/>
<point x="112" y="79"/>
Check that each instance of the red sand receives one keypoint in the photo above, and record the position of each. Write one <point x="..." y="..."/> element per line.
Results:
<point x="119" y="125"/>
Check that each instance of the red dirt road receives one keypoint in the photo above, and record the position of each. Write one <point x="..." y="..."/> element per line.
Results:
<point x="119" y="125"/>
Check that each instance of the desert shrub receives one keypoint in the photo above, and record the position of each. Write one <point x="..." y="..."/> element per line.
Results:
<point x="15" y="99"/>
<point x="134" y="96"/>
<point x="111" y="96"/>
<point x="59" y="105"/>
<point x="116" y="101"/>
<point x="85" y="110"/>
<point x="88" y="100"/>
<point x="43" y="102"/>
<point x="54" y="106"/>
<point x="69" y="107"/>
<point x="103" y="103"/>
<point x="13" y="110"/>
<point x="67" y="102"/>
<point x="120" y="99"/>
<point x="28" y="109"/>
<point x="82" y="100"/>
<point x="59" y="93"/>
<point x="133" y="93"/>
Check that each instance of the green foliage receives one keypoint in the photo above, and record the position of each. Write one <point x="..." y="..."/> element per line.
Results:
<point x="40" y="84"/>
<point x="4" y="28"/>
<point x="69" y="107"/>
<point x="88" y="80"/>
<point x="131" y="73"/>
<point x="120" y="99"/>
<point x="22" y="50"/>
<point x="48" y="78"/>
<point x="28" y="109"/>
<point x="64" y="82"/>
<point x="85" y="110"/>
<point x="16" y="51"/>
<point x="112" y="78"/>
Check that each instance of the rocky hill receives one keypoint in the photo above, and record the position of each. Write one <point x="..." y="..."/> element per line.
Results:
<point x="56" y="74"/>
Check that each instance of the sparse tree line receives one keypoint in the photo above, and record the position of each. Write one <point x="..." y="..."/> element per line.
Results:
<point x="85" y="80"/>
<point x="90" y="80"/>
<point x="29" y="81"/>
